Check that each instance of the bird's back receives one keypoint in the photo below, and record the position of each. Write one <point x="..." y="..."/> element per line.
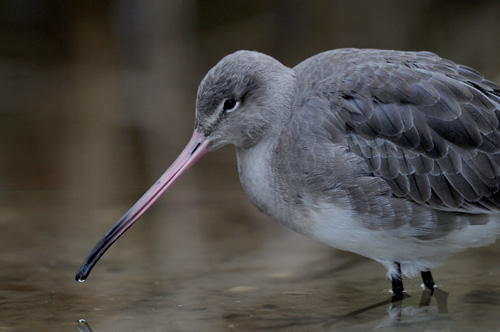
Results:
<point x="420" y="127"/>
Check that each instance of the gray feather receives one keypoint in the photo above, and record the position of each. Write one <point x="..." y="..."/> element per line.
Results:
<point x="423" y="124"/>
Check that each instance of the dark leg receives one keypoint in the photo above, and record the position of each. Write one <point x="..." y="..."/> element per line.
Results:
<point x="428" y="281"/>
<point x="397" y="285"/>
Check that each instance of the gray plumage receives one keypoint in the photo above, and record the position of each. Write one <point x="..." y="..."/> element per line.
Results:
<point x="391" y="155"/>
<point x="404" y="144"/>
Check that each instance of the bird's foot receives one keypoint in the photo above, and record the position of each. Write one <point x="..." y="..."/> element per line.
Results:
<point x="398" y="293"/>
<point x="428" y="280"/>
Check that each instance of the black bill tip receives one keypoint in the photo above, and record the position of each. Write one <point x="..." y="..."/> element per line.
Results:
<point x="82" y="273"/>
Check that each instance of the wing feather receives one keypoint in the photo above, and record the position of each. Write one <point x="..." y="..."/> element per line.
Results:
<point x="426" y="125"/>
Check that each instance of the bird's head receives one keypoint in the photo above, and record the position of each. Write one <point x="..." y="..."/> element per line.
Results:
<point x="239" y="102"/>
<point x="242" y="98"/>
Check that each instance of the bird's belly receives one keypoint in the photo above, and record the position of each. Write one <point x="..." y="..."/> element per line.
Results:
<point x="341" y="228"/>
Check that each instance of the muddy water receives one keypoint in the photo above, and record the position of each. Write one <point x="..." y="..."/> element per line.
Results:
<point x="205" y="260"/>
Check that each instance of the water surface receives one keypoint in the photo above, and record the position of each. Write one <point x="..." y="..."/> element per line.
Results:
<point x="201" y="263"/>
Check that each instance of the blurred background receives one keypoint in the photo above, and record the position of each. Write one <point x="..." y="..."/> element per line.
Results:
<point x="99" y="95"/>
<point x="97" y="98"/>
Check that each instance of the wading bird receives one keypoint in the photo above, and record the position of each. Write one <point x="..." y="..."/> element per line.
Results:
<point x="391" y="155"/>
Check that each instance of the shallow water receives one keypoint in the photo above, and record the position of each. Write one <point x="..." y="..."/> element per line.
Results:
<point x="201" y="263"/>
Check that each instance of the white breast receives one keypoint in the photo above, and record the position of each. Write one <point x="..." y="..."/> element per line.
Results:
<point x="256" y="179"/>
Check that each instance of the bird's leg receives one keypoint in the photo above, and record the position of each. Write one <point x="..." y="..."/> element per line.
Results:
<point x="428" y="281"/>
<point x="397" y="284"/>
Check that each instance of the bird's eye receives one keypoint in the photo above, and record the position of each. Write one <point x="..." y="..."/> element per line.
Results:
<point x="230" y="105"/>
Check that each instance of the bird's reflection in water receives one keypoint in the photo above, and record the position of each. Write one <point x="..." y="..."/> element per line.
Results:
<point x="432" y="308"/>
<point x="397" y="314"/>
<point x="83" y="326"/>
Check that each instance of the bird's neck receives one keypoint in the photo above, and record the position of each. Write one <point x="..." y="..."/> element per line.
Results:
<point x="255" y="171"/>
<point x="255" y="162"/>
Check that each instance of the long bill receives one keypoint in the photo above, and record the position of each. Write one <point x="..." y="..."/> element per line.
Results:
<point x="194" y="150"/>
